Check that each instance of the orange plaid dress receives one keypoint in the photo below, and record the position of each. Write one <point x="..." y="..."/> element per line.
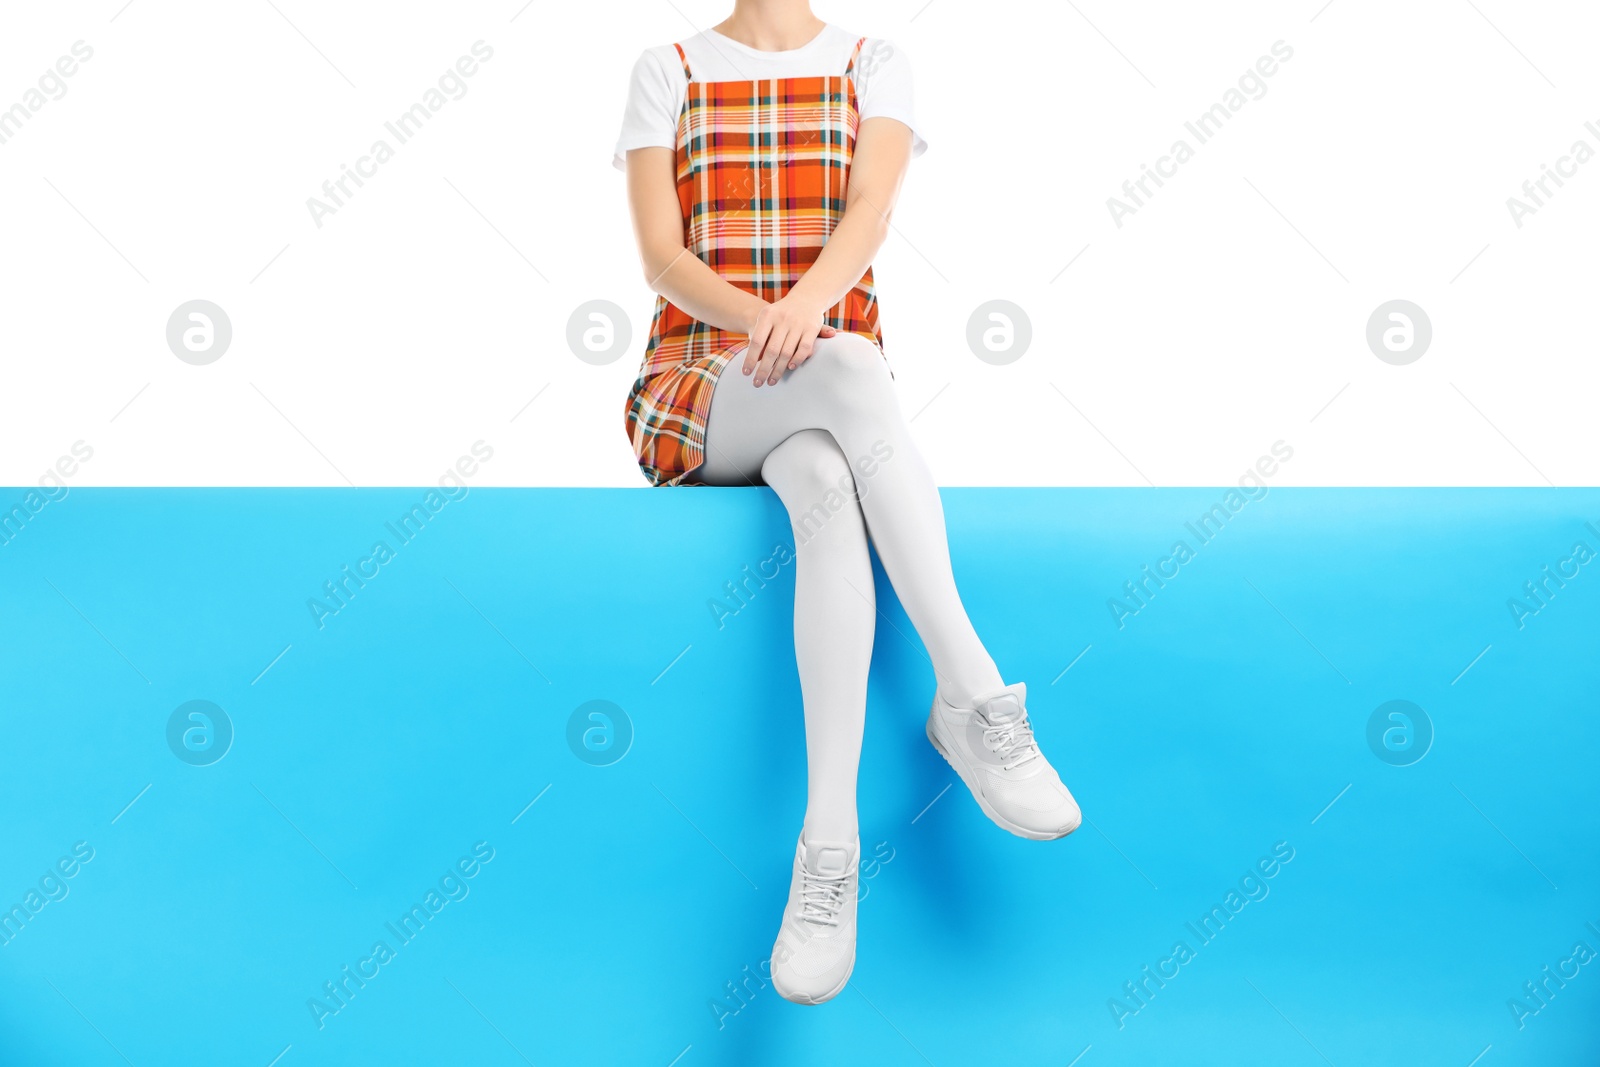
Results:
<point x="763" y="167"/>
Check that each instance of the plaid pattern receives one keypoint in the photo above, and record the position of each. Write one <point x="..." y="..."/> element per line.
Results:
<point x="762" y="171"/>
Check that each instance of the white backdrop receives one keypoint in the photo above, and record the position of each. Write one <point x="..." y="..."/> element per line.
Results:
<point x="430" y="311"/>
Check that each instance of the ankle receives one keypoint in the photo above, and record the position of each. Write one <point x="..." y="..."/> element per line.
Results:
<point x="963" y="692"/>
<point x="965" y="696"/>
<point x="956" y="697"/>
<point x="838" y="828"/>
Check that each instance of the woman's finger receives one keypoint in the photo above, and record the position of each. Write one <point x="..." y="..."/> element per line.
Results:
<point x="758" y="341"/>
<point x="774" y="346"/>
<point x="802" y="352"/>
<point x="781" y="358"/>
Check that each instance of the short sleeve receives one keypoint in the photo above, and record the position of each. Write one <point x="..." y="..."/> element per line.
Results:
<point x="655" y="91"/>
<point x="884" y="90"/>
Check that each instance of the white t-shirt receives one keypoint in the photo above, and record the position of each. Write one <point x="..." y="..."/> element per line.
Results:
<point x="657" y="88"/>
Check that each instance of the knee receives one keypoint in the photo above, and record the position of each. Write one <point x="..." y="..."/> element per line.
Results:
<point x="848" y="365"/>
<point x="814" y="480"/>
<point x="807" y="465"/>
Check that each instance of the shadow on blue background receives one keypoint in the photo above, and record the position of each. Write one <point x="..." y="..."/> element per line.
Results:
<point x="623" y="911"/>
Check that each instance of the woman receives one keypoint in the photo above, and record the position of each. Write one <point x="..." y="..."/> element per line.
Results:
<point x="764" y="158"/>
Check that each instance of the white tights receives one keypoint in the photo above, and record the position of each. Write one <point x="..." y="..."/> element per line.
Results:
<point x="830" y="440"/>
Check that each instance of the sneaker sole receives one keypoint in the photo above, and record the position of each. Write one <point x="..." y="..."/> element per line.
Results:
<point x="983" y="802"/>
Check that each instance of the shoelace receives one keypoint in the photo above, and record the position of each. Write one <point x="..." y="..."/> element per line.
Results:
<point x="1013" y="740"/>
<point x="821" y="897"/>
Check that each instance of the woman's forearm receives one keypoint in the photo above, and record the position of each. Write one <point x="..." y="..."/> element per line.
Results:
<point x="883" y="148"/>
<point x="669" y="267"/>
<point x="700" y="292"/>
<point x="845" y="258"/>
<point x="882" y="151"/>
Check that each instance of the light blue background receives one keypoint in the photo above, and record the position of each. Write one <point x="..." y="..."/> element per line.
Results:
<point x="430" y="711"/>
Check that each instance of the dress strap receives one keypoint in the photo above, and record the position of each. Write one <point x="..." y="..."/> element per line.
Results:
<point x="685" y="60"/>
<point x="854" y="55"/>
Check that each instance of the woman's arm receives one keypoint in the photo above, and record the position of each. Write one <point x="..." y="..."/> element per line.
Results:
<point x="785" y="330"/>
<point x="670" y="268"/>
<point x="781" y="333"/>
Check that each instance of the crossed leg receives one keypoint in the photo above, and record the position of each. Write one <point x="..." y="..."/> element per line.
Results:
<point x="831" y="441"/>
<point x="834" y="619"/>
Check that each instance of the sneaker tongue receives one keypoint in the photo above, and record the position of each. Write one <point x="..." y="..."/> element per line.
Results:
<point x="1003" y="709"/>
<point x="827" y="861"/>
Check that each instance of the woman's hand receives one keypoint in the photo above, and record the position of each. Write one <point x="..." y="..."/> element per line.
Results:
<point x="782" y="338"/>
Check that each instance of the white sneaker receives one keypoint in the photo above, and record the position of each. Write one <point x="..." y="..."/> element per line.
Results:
<point x="816" y="946"/>
<point x="992" y="748"/>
